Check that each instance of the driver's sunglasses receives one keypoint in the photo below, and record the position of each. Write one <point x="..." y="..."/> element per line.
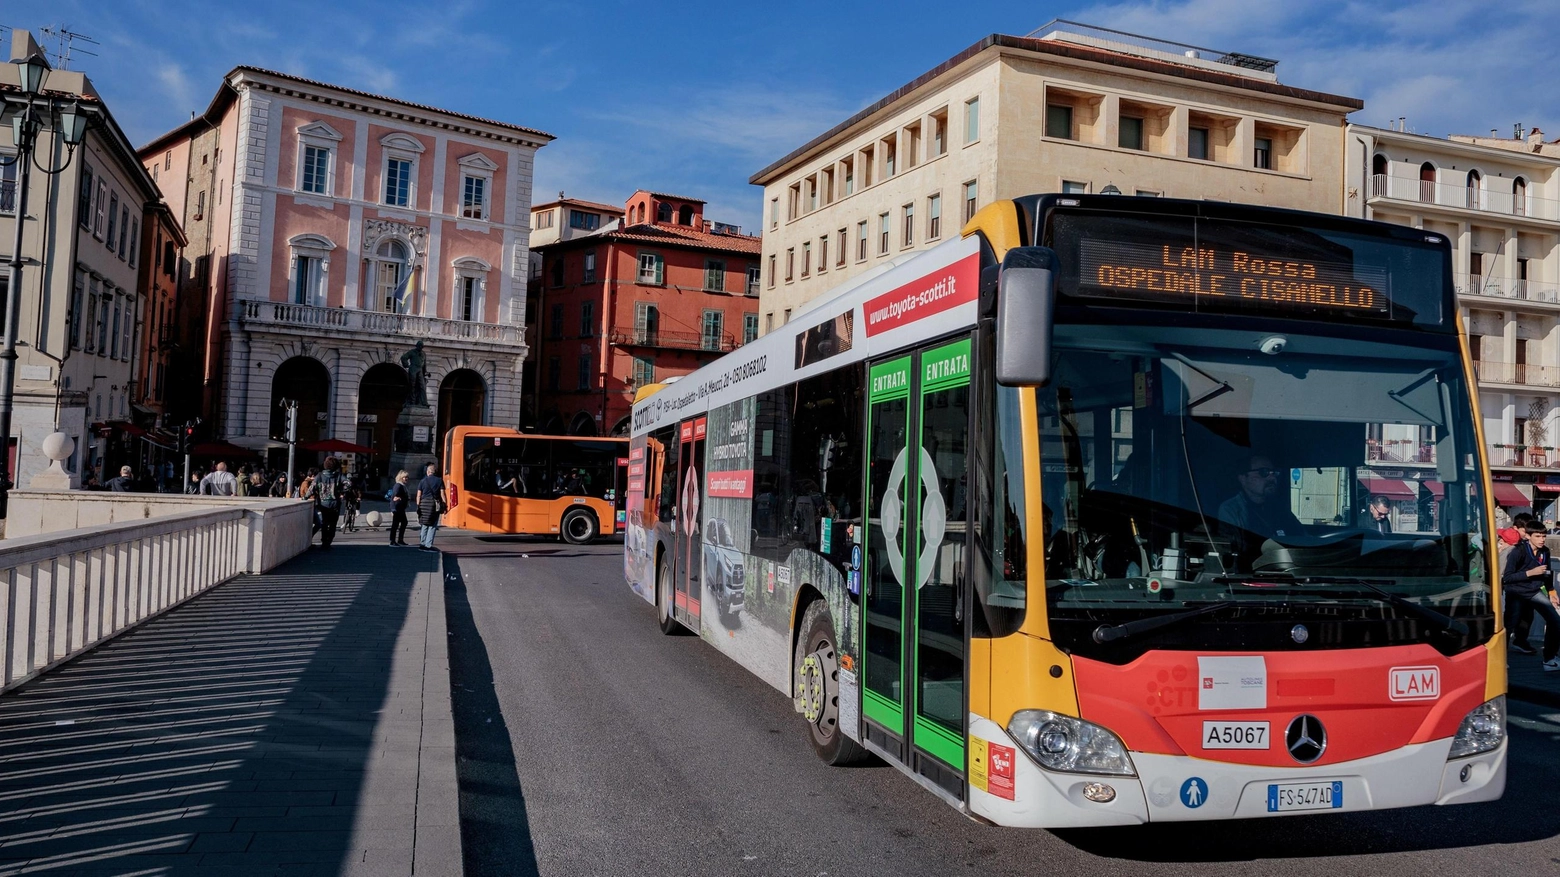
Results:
<point x="1262" y="473"/>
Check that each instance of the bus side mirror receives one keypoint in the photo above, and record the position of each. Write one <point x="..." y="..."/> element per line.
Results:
<point x="1026" y="300"/>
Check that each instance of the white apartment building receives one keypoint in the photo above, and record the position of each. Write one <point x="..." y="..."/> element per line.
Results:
<point x="1498" y="200"/>
<point x="1067" y="108"/>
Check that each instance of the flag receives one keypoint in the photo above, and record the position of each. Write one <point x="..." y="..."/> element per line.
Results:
<point x="403" y="292"/>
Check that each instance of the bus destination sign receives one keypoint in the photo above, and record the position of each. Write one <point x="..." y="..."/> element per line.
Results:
<point x="1213" y="273"/>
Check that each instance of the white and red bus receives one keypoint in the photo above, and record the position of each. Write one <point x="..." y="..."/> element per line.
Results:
<point x="1066" y="519"/>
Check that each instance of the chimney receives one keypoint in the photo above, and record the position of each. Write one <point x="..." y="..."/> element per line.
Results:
<point x="23" y="46"/>
<point x="1535" y="137"/>
<point x="1516" y="131"/>
<point x="1494" y="133"/>
<point x="1402" y="123"/>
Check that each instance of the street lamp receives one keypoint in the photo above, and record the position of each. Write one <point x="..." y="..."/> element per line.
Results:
<point x="31" y="112"/>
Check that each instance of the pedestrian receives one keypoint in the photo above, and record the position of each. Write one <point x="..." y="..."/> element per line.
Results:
<point x="431" y="504"/>
<point x="1528" y="580"/>
<point x="351" y="498"/>
<point x="1520" y="625"/>
<point x="400" y="497"/>
<point x="327" y="491"/>
<point x="195" y="479"/>
<point x="125" y="483"/>
<point x="242" y="486"/>
<point x="219" y="482"/>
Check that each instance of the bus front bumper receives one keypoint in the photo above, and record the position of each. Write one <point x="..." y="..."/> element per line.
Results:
<point x="1179" y="788"/>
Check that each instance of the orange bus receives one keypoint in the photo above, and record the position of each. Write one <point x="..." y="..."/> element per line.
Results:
<point x="503" y="481"/>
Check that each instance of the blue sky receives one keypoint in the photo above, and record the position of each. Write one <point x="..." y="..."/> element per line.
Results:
<point x="694" y="97"/>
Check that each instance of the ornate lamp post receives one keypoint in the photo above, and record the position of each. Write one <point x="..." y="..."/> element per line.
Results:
<point x="30" y="112"/>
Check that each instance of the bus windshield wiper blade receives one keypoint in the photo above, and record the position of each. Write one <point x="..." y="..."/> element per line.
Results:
<point x="1443" y="621"/>
<point x="1108" y="633"/>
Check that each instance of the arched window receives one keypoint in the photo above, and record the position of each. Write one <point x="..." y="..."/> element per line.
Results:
<point x="310" y="269"/>
<point x="1378" y="176"/>
<point x="1519" y="203"/>
<point x="641" y="219"/>
<point x="685" y="215"/>
<point x="393" y="277"/>
<point x="1427" y="183"/>
<point x="1475" y="188"/>
<point x="663" y="212"/>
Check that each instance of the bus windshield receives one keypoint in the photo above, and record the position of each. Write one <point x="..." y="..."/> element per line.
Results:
<point x="1299" y="477"/>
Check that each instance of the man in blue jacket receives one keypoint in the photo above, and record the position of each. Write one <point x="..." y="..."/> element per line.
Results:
<point x="1527" y="580"/>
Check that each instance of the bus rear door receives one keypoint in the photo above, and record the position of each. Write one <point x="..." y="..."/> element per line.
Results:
<point x="689" y="501"/>
<point x="914" y="660"/>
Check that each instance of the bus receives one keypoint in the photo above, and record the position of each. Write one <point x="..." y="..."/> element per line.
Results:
<point x="503" y="481"/>
<point x="1065" y="518"/>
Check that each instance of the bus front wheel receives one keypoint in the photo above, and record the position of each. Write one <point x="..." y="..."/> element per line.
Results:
<point x="578" y="526"/>
<point x="818" y="688"/>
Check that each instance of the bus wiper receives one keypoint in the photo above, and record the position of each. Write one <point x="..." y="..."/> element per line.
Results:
<point x="1108" y="633"/>
<point x="1441" y="620"/>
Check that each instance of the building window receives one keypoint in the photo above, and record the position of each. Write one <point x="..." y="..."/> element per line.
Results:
<point x="749" y="328"/>
<point x="823" y="254"/>
<point x="849" y="181"/>
<point x="786" y="318"/>
<point x="125" y="331"/>
<point x="473" y="198"/>
<point x="772" y="260"/>
<point x="1262" y="153"/>
<point x="769" y="322"/>
<point x="583" y="220"/>
<point x="842" y="243"/>
<point x="774" y="212"/>
<point x="1129" y="133"/>
<point x="793" y="204"/>
<point x="398" y="182"/>
<point x="554" y="373"/>
<point x="861" y="241"/>
<point x="1059" y="121"/>
<point x="587" y="319"/>
<point x="812" y="193"/>
<point x="84" y="202"/>
<point x="102" y="206"/>
<point x="557" y="270"/>
<point x="544" y="219"/>
<point x="909" y="222"/>
<point x="135" y="240"/>
<point x="934" y="217"/>
<point x="939" y="139"/>
<point x="652" y="269"/>
<point x="582" y="375"/>
<point x="714" y="275"/>
<point x="89" y="318"/>
<point x="883" y="222"/>
<point x="113" y="338"/>
<point x="394" y="277"/>
<point x="124" y="230"/>
<point x="644" y="371"/>
<point x="790" y="264"/>
<point x="102" y="333"/>
<point x="663" y="212"/>
<point x="200" y="205"/>
<point x="8" y="182"/>
<point x="557" y="322"/>
<point x="1149" y="193"/>
<point x="713" y="329"/>
<point x="589" y="274"/>
<point x="647" y="323"/>
<point x="752" y="279"/>
<point x="1197" y="143"/>
<point x="78" y="301"/>
<point x="316" y="170"/>
<point x="806" y="258"/>
<point x="469" y="305"/>
<point x="113" y="219"/>
<point x="306" y="279"/>
<point x="972" y="120"/>
<point x="971" y="197"/>
<point x="890" y="150"/>
<point x="1073" y="187"/>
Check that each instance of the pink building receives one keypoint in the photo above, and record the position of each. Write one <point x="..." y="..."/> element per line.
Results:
<point x="361" y="255"/>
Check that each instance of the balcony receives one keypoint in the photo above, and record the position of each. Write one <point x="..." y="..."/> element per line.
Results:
<point x="1461" y="196"/>
<point x="675" y="340"/>
<point x="1399" y="451"/>
<point x="372" y="325"/>
<point x="1515" y="373"/>
<point x="1502" y="287"/>
<point x="1509" y="456"/>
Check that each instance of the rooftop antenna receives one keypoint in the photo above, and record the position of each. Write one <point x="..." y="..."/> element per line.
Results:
<point x="66" y="39"/>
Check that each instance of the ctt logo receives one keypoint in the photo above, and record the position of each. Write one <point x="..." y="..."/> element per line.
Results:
<point x="1414" y="683"/>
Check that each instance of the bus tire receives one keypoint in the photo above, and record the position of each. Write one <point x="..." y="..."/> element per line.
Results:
<point x="818" y="688"/>
<point x="578" y="526"/>
<point x="663" y="599"/>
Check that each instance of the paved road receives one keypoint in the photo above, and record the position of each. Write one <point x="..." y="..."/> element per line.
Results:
<point x="589" y="743"/>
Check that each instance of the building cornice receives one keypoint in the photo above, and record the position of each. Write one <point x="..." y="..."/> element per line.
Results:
<point x="1443" y="144"/>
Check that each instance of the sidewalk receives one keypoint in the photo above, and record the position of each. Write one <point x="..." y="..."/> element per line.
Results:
<point x="1525" y="675"/>
<point x="297" y="722"/>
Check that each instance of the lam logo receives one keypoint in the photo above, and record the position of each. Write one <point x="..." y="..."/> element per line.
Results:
<point x="1414" y="683"/>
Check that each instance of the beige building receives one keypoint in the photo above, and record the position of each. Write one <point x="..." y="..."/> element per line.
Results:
<point x="1068" y="108"/>
<point x="1498" y="200"/>
<point x="81" y="313"/>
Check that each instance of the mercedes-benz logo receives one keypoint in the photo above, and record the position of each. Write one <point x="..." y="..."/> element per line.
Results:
<point x="1299" y="634"/>
<point x="1306" y="739"/>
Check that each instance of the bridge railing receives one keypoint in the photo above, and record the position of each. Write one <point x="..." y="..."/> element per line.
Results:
<point x="63" y="593"/>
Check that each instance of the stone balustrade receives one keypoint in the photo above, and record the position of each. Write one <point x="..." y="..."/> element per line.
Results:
<point x="284" y="315"/>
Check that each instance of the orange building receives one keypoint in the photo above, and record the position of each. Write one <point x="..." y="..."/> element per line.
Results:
<point x="651" y="295"/>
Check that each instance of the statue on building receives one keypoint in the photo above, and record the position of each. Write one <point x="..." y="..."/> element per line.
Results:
<point x="415" y="363"/>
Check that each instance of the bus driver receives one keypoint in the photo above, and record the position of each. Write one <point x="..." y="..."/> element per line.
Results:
<point x="1257" y="512"/>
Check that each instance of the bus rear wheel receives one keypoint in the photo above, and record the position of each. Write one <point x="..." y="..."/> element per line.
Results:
<point x="818" y="688"/>
<point x="663" y="599"/>
<point x="578" y="526"/>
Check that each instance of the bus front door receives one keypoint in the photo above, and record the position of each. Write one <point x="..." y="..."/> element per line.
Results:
<point x="914" y="661"/>
<point x="688" y="524"/>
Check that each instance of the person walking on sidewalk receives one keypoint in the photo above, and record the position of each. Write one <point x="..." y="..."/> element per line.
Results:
<point x="400" y="497"/>
<point x="219" y="482"/>
<point x="326" y="492"/>
<point x="1527" y="580"/>
<point x="431" y="503"/>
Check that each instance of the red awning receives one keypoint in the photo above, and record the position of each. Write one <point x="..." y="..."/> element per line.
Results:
<point x="1437" y="489"/>
<point x="1508" y="494"/>
<point x="1547" y="488"/>
<point x="1390" y="487"/>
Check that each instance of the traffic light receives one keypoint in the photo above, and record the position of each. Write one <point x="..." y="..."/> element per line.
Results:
<point x="186" y="437"/>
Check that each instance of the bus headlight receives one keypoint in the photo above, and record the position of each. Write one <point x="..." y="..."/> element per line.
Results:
<point x="1482" y="729"/>
<point x="1068" y="745"/>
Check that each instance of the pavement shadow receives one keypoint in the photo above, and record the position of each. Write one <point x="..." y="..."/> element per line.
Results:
<point x="234" y="734"/>
<point x="495" y="830"/>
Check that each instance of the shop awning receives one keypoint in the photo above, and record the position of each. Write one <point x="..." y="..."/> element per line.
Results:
<point x="1509" y="495"/>
<point x="1391" y="488"/>
<point x="1547" y="488"/>
<point x="1437" y="489"/>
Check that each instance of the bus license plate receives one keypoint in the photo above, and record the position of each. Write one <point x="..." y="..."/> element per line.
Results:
<point x="1283" y="797"/>
<point x="1235" y="735"/>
